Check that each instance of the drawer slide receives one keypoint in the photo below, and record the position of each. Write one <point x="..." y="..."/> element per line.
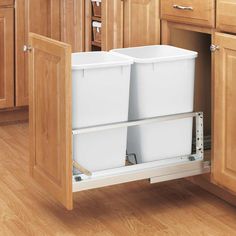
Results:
<point x="152" y="170"/>
<point x="156" y="171"/>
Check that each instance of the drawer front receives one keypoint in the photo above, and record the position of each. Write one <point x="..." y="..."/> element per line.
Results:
<point x="226" y="15"/>
<point x="194" y="12"/>
<point x="6" y="3"/>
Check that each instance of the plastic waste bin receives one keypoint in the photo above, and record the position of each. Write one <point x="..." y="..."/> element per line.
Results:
<point x="162" y="83"/>
<point x="100" y="95"/>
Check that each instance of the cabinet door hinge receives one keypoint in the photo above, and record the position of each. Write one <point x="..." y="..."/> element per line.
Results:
<point x="27" y="48"/>
<point x="214" y="48"/>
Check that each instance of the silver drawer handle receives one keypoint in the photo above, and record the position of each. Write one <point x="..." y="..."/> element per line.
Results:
<point x="183" y="8"/>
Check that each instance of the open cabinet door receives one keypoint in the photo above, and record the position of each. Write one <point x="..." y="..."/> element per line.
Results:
<point x="224" y="165"/>
<point x="50" y="116"/>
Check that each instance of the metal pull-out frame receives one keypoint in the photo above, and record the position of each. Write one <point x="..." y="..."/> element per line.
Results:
<point x="156" y="171"/>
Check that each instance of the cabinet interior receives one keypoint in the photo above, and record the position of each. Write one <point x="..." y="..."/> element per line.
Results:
<point x="199" y="42"/>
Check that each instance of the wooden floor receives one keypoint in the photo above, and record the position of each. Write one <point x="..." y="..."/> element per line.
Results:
<point x="172" y="208"/>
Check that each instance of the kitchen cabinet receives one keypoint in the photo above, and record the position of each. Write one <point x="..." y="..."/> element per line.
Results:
<point x="7" y="57"/>
<point x="224" y="162"/>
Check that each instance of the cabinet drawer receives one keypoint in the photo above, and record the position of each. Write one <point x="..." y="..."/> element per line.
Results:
<point x="226" y="15"/>
<point x="195" y="12"/>
<point x="6" y="3"/>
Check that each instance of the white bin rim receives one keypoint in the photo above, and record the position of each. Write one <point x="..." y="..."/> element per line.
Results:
<point x="155" y="53"/>
<point x="101" y="59"/>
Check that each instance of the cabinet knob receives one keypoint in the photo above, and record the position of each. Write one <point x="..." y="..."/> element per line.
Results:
<point x="27" y="48"/>
<point x="214" y="48"/>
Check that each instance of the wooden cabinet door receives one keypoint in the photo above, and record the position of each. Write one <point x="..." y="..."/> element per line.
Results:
<point x="38" y="16"/>
<point x="50" y="116"/>
<point x="224" y="164"/>
<point x="44" y="18"/>
<point x="6" y="57"/>
<point x="141" y="22"/>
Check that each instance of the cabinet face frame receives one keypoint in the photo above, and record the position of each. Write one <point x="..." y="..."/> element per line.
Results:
<point x="224" y="164"/>
<point x="7" y="57"/>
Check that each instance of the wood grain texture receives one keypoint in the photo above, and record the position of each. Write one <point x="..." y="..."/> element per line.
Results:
<point x="73" y="24"/>
<point x="37" y="16"/>
<point x="133" y="209"/>
<point x="21" y="60"/>
<point x="226" y="15"/>
<point x="6" y="3"/>
<point x="88" y="26"/>
<point x="44" y="18"/>
<point x="224" y="163"/>
<point x="203" y="13"/>
<point x="141" y="23"/>
<point x="14" y="115"/>
<point x="6" y="57"/>
<point x="50" y="116"/>
<point x="112" y="24"/>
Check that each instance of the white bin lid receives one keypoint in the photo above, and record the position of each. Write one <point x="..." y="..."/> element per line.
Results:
<point x="156" y="53"/>
<point x="92" y="60"/>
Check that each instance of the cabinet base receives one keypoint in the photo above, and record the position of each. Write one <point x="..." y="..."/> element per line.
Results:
<point x="204" y="182"/>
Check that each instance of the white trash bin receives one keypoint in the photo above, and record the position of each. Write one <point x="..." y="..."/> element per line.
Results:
<point x="162" y="83"/>
<point x="100" y="95"/>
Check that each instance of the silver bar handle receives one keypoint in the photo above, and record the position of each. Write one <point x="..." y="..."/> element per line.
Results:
<point x="185" y="8"/>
